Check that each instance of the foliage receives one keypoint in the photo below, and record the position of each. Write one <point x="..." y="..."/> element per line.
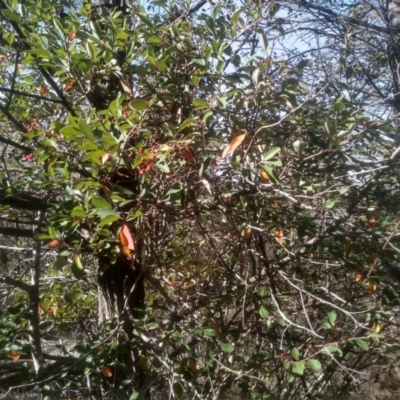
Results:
<point x="201" y="213"/>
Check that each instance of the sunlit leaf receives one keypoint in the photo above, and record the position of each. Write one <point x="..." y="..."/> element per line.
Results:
<point x="106" y="371"/>
<point x="72" y="35"/>
<point x="236" y="142"/>
<point x="54" y="243"/>
<point x="77" y="267"/>
<point x="264" y="177"/>
<point x="43" y="89"/>
<point x="68" y="85"/>
<point x="105" y="157"/>
<point x="192" y="366"/>
<point x="247" y="232"/>
<point x="126" y="238"/>
<point x="225" y="151"/>
<point x="376" y="327"/>
<point x="126" y="87"/>
<point x="278" y="233"/>
<point x="15" y="355"/>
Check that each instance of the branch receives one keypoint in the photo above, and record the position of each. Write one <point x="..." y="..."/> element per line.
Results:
<point x="24" y="204"/>
<point x="34" y="96"/>
<point x="15" y="144"/>
<point x="342" y="18"/>
<point x="16" y="232"/>
<point x="14" y="78"/>
<point x="16" y="283"/>
<point x="16" y="123"/>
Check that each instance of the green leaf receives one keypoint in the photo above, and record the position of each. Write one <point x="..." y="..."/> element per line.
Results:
<point x="270" y="153"/>
<point x="69" y="131"/>
<point x="77" y="267"/>
<point x="199" y="61"/>
<point x="41" y="53"/>
<point x="226" y="347"/>
<point x="334" y="350"/>
<point x="84" y="128"/>
<point x="330" y="127"/>
<point x="298" y="368"/>
<point x="163" y="167"/>
<point x="155" y="40"/>
<point x="78" y="211"/>
<point x="332" y="316"/>
<point x="295" y="353"/>
<point x="304" y="87"/>
<point x="187" y="122"/>
<point x="200" y="103"/>
<point x="209" y="332"/>
<point x="135" y="395"/>
<point x="315" y="365"/>
<point x="139" y="105"/>
<point x="236" y="16"/>
<point x="100" y="202"/>
<point x="60" y="263"/>
<point x="263" y="312"/>
<point x="105" y="212"/>
<point x="361" y="344"/>
<point x="287" y="364"/>
<point x="11" y="16"/>
<point x="204" y="165"/>
<point x="109" y="219"/>
<point x="263" y="41"/>
<point x="270" y="171"/>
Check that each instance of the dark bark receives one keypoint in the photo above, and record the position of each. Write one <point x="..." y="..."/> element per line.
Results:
<point x="121" y="287"/>
<point x="27" y="203"/>
<point x="16" y="232"/>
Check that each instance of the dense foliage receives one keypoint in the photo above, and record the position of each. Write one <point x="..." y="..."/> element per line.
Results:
<point x="194" y="205"/>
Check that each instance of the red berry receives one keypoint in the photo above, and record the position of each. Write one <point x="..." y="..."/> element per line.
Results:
<point x="141" y="150"/>
<point x="142" y="172"/>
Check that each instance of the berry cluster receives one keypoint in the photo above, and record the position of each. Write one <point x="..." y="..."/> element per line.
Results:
<point x="33" y="125"/>
<point x="147" y="163"/>
<point x="27" y="157"/>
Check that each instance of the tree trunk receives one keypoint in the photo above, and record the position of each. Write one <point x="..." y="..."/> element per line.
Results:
<point x="121" y="288"/>
<point x="121" y="291"/>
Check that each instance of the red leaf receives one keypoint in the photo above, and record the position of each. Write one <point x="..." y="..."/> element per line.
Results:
<point x="189" y="155"/>
<point x="54" y="243"/>
<point x="126" y="238"/>
<point x="68" y="85"/>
